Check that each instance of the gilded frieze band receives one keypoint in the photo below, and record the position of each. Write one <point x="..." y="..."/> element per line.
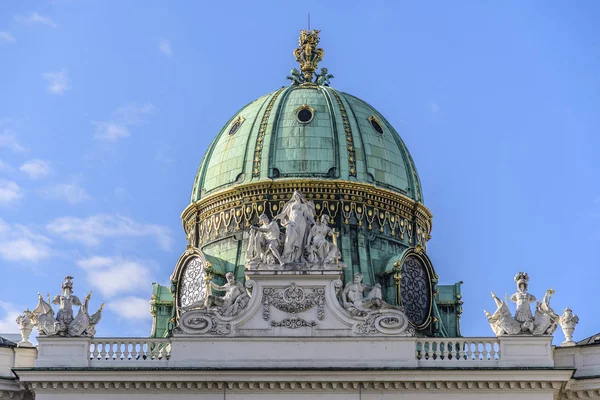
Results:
<point x="366" y="206"/>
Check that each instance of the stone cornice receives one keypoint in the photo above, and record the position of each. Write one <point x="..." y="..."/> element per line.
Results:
<point x="405" y="380"/>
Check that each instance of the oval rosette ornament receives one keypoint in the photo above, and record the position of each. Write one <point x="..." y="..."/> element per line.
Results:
<point x="416" y="288"/>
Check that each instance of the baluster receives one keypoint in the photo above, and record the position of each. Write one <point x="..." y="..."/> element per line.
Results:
<point x="497" y="350"/>
<point x="492" y="351"/>
<point x="161" y="347"/>
<point x="122" y="349"/>
<point x="126" y="351"/>
<point x="103" y="352"/>
<point x="139" y="351"/>
<point x="477" y="350"/>
<point x="486" y="351"/>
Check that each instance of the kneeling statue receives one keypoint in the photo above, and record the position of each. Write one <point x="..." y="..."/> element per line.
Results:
<point x="264" y="242"/>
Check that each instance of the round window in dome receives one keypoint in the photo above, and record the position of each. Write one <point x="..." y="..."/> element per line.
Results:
<point x="376" y="124"/>
<point x="236" y="125"/>
<point x="305" y="114"/>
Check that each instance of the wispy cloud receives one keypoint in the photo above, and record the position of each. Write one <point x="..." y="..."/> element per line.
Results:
<point x="113" y="275"/>
<point x="6" y="38"/>
<point x="10" y="192"/>
<point x="58" y="81"/>
<point x="164" y="46"/>
<point x="8" y="322"/>
<point x="36" y="168"/>
<point x="131" y="308"/>
<point x="91" y="230"/>
<point x="133" y="114"/>
<point x="21" y="243"/>
<point x="110" y="131"/>
<point x="35" y="18"/>
<point x="8" y="139"/>
<point x="72" y="193"/>
<point x="118" y="126"/>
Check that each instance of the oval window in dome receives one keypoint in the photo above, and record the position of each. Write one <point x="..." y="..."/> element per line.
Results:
<point x="236" y="126"/>
<point x="305" y="114"/>
<point x="376" y="124"/>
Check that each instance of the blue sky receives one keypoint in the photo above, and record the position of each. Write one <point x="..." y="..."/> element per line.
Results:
<point x="107" y="108"/>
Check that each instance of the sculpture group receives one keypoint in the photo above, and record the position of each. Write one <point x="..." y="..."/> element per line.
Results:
<point x="303" y="244"/>
<point x="64" y="323"/>
<point x="543" y="322"/>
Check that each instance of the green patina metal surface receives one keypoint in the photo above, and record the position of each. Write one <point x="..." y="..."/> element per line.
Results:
<point x="320" y="148"/>
<point x="161" y="307"/>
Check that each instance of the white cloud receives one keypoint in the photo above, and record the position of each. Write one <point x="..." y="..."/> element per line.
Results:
<point x="36" y="168"/>
<point x="164" y="46"/>
<point x="6" y="38"/>
<point x="133" y="114"/>
<point x="23" y="250"/>
<point x="118" y="127"/>
<point x="35" y="18"/>
<point x="131" y="308"/>
<point x="110" y="131"/>
<point x="69" y="192"/>
<point x="91" y="230"/>
<point x="8" y="323"/>
<point x="113" y="275"/>
<point x="58" y="81"/>
<point x="20" y="243"/>
<point x="9" y="192"/>
<point x="8" y="139"/>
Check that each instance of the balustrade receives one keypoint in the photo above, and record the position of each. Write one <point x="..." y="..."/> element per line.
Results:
<point x="130" y="350"/>
<point x="460" y="350"/>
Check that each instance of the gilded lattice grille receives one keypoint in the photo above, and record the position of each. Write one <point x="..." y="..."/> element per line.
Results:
<point x="193" y="285"/>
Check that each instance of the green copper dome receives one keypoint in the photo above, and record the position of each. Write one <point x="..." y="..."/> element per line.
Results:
<point x="307" y="131"/>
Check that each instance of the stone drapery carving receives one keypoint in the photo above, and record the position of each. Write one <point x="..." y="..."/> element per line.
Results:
<point x="293" y="299"/>
<point x="567" y="322"/>
<point x="544" y="321"/>
<point x="65" y="324"/>
<point x="304" y="245"/>
<point x="25" y="328"/>
<point x="297" y="217"/>
<point x="320" y="249"/>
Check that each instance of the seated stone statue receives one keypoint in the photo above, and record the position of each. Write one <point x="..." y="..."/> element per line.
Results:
<point x="320" y="249"/>
<point x="357" y="302"/>
<point x="264" y="242"/>
<point x="235" y="297"/>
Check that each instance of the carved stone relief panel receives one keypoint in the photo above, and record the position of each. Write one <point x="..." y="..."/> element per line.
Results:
<point x="293" y="299"/>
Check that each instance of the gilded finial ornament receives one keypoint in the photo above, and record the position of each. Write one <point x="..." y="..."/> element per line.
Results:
<point x="309" y="56"/>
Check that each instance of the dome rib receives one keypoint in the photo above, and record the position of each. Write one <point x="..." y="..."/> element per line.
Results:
<point x="336" y="144"/>
<point x="273" y="134"/>
<point x="362" y="143"/>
